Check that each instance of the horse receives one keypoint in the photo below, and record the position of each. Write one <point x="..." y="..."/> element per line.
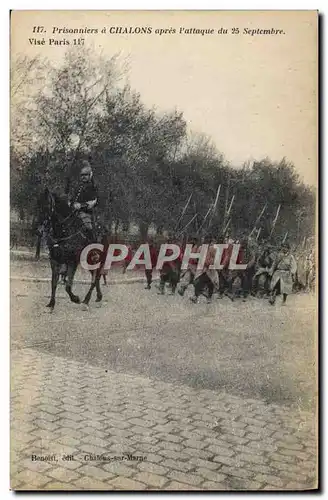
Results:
<point x="65" y="240"/>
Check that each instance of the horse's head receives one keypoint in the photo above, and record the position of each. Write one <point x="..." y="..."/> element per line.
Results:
<point x="51" y="205"/>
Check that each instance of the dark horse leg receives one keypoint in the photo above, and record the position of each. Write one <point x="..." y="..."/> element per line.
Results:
<point x="71" y="269"/>
<point x="55" y="268"/>
<point x="98" y="290"/>
<point x="95" y="282"/>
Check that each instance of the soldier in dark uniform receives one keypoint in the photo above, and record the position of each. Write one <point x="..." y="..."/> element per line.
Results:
<point x="84" y="201"/>
<point x="264" y="264"/>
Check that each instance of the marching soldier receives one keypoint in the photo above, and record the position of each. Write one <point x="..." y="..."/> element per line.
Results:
<point x="187" y="276"/>
<point x="264" y="264"/>
<point x="206" y="277"/>
<point x="170" y="271"/>
<point x="283" y="271"/>
<point x="153" y="258"/>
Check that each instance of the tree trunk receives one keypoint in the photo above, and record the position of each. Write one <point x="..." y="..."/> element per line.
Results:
<point x="143" y="229"/>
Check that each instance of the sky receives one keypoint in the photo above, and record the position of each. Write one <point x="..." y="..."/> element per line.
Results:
<point x="255" y="96"/>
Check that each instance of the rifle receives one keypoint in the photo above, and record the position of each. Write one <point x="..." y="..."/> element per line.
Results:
<point x="214" y="205"/>
<point x="275" y="220"/>
<point x="257" y="220"/>
<point x="183" y="212"/>
<point x="182" y="230"/>
<point x="232" y="199"/>
<point x="208" y="211"/>
<point x="285" y="237"/>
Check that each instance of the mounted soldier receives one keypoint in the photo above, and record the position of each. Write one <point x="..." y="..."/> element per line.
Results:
<point x="85" y="200"/>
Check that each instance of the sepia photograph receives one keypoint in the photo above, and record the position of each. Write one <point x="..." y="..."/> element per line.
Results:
<point x="164" y="250"/>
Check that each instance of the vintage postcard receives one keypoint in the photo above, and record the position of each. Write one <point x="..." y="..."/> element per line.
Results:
<point x="164" y="250"/>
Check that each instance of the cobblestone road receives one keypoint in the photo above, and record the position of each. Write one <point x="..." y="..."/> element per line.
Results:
<point x="164" y="436"/>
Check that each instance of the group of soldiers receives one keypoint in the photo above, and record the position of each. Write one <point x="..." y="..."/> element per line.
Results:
<point x="271" y="270"/>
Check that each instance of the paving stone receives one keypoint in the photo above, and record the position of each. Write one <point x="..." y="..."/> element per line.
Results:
<point x="221" y="450"/>
<point x="238" y="472"/>
<point x="50" y="409"/>
<point x="287" y="468"/>
<point x="232" y="461"/>
<point x="254" y="458"/>
<point x="71" y="424"/>
<point x="43" y="424"/>
<point x="273" y="480"/>
<point x="263" y="432"/>
<point x="95" y="472"/>
<point x="151" y="479"/>
<point x="206" y="464"/>
<point x="154" y="458"/>
<point x="198" y="445"/>
<point x="43" y="433"/>
<point x="60" y="486"/>
<point x="222" y="415"/>
<point x="90" y="415"/>
<point x="171" y="438"/>
<point x="119" y="469"/>
<point x="62" y="474"/>
<point x="182" y="477"/>
<point x="290" y="446"/>
<point x="22" y="437"/>
<point x="247" y="485"/>
<point x="235" y="431"/>
<point x="294" y="453"/>
<point x="210" y="475"/>
<point x="68" y="432"/>
<point x="153" y="468"/>
<point x="89" y="483"/>
<point x="36" y="466"/>
<point x="262" y="446"/>
<point x="42" y="415"/>
<point x="180" y="466"/>
<point x="211" y="485"/>
<point x="117" y="433"/>
<point x="95" y="441"/>
<point x="234" y="439"/>
<point x="248" y="450"/>
<point x="32" y="478"/>
<point x="282" y="458"/>
<point x="166" y="445"/>
<point x="175" y="455"/>
<point x="253" y="421"/>
<point x="70" y="441"/>
<point x="147" y="448"/>
<point x="298" y="486"/>
<point x="142" y="422"/>
<point x="176" y="486"/>
<point x="142" y="430"/>
<point x="260" y="469"/>
<point x="123" y="483"/>
<point x="72" y="464"/>
<point x="203" y="454"/>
